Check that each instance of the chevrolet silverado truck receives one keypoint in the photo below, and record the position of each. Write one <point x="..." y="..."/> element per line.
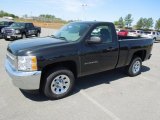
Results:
<point x="19" y="30"/>
<point x="52" y="64"/>
<point x="2" y="25"/>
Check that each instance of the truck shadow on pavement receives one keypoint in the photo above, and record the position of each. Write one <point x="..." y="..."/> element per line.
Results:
<point x="87" y="82"/>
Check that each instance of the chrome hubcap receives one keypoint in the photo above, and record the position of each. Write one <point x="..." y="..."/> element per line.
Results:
<point x="136" y="67"/>
<point x="60" y="84"/>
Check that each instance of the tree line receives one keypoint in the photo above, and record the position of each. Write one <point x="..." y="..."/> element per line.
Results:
<point x="44" y="18"/>
<point x="142" y="23"/>
<point x="3" y="14"/>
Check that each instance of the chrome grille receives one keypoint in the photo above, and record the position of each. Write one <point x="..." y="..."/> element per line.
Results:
<point x="9" y="32"/>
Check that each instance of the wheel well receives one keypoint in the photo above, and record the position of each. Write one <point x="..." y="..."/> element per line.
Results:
<point x="141" y="54"/>
<point x="71" y="65"/>
<point x="23" y="33"/>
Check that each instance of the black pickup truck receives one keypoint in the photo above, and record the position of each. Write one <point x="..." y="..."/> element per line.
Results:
<point x="4" y="24"/>
<point x="52" y="64"/>
<point x="20" y="30"/>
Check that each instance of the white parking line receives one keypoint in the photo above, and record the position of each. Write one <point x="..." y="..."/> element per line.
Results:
<point x="109" y="113"/>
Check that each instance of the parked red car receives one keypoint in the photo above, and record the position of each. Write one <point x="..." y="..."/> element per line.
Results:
<point x="123" y="33"/>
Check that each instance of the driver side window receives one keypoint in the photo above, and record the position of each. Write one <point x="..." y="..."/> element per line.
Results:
<point x="27" y="25"/>
<point x="104" y="32"/>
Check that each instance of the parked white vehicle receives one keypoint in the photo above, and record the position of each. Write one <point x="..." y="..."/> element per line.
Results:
<point x="135" y="33"/>
<point x="152" y="34"/>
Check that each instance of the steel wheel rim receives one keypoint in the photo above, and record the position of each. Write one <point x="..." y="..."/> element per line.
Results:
<point x="136" y="67"/>
<point x="60" y="84"/>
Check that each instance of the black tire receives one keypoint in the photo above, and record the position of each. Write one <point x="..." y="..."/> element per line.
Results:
<point x="133" y="70"/>
<point x="38" y="34"/>
<point x="154" y="39"/>
<point x="23" y="36"/>
<point x="51" y="77"/>
<point x="7" y="39"/>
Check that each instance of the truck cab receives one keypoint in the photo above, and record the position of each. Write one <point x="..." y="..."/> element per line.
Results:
<point x="21" y="30"/>
<point x="52" y="64"/>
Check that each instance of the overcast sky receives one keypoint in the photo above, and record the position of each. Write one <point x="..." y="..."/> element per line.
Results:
<point x="100" y="10"/>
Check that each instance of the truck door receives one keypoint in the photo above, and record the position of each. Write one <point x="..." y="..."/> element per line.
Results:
<point x="101" y="56"/>
<point x="30" y="29"/>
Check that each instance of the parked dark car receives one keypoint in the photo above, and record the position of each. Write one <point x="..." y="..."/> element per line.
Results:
<point x="21" y="30"/>
<point x="52" y="64"/>
<point x="2" y="25"/>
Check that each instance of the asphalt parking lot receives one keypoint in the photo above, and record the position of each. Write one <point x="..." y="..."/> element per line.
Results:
<point x="106" y="96"/>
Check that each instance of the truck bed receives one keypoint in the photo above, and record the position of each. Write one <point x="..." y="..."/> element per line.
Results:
<point x="129" y="45"/>
<point x="128" y="37"/>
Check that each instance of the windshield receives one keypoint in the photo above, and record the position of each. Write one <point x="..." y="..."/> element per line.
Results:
<point x="2" y="23"/>
<point x="21" y="25"/>
<point x="72" y="32"/>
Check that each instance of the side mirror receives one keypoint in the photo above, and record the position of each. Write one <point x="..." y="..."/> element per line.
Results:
<point x="94" y="40"/>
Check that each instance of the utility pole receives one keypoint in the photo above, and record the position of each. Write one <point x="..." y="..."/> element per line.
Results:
<point x="83" y="7"/>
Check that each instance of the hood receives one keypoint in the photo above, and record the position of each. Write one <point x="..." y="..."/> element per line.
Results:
<point x="33" y="43"/>
<point x="16" y="28"/>
<point x="1" y="26"/>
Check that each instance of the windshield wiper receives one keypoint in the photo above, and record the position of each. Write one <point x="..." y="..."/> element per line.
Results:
<point x="52" y="36"/>
<point x="62" y="38"/>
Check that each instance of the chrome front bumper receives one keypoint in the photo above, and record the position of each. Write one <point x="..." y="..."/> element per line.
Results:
<point x="24" y="80"/>
<point x="12" y="36"/>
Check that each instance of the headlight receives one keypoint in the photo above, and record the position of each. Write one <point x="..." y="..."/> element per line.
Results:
<point x="2" y="30"/>
<point x="17" y="31"/>
<point x="27" y="63"/>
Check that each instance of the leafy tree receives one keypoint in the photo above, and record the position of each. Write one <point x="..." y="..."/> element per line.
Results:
<point x="144" y="23"/>
<point x="128" y="20"/>
<point x="47" y="17"/>
<point x="149" y="23"/>
<point x="3" y="14"/>
<point x="145" y="20"/>
<point x="121" y="22"/>
<point x="116" y="23"/>
<point x="140" y="24"/>
<point x="157" y="25"/>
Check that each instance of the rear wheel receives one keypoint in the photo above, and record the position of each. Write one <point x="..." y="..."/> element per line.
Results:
<point x="135" y="66"/>
<point x="38" y="34"/>
<point x="58" y="83"/>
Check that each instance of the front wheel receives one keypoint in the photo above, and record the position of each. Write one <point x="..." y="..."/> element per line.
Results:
<point x="135" y="66"/>
<point x="58" y="83"/>
<point x="23" y="36"/>
<point x="7" y="39"/>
